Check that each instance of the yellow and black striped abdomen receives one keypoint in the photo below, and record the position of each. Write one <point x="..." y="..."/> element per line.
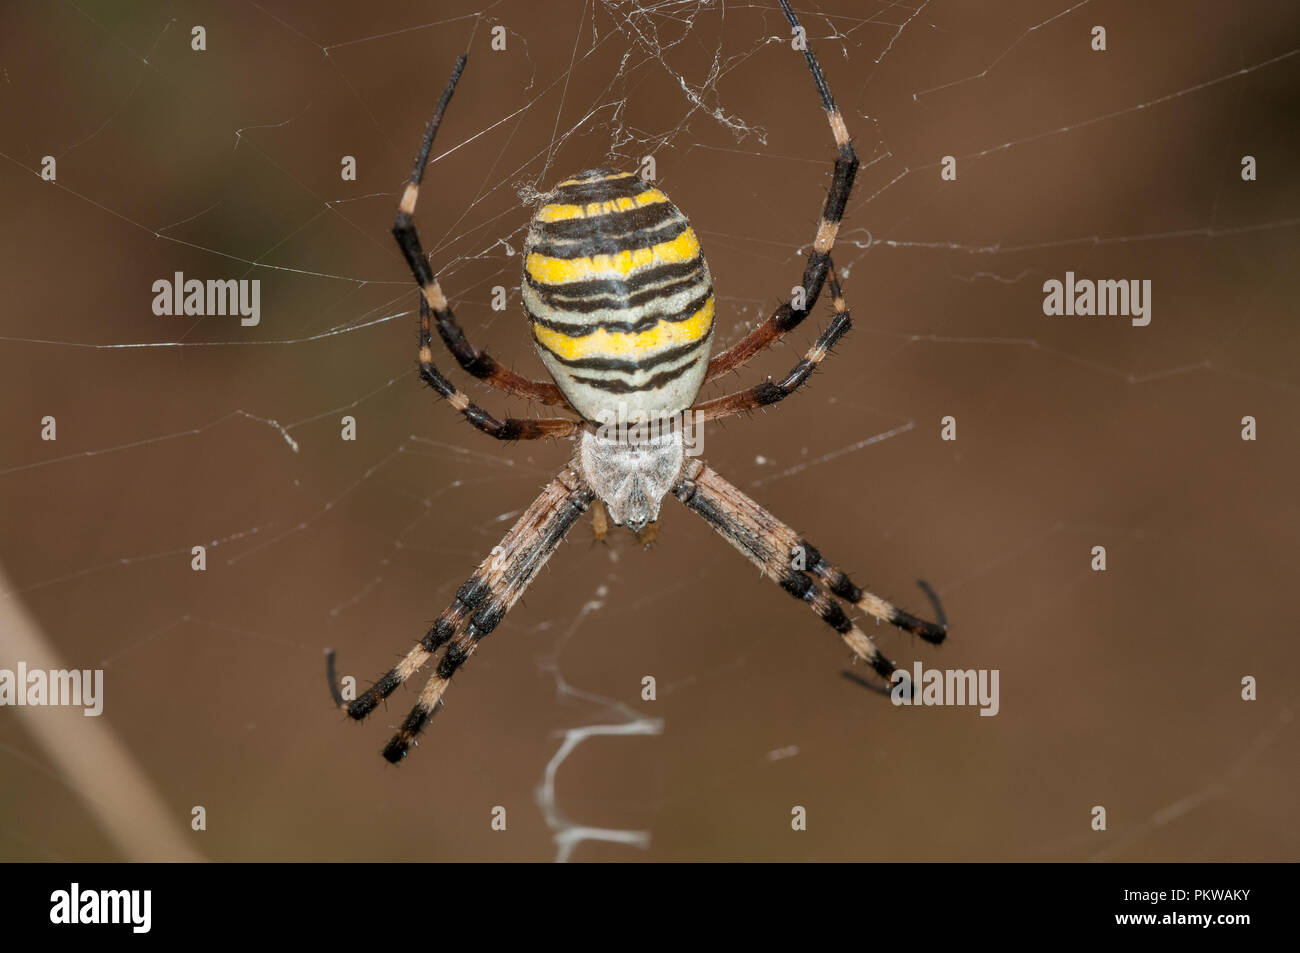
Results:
<point x="618" y="296"/>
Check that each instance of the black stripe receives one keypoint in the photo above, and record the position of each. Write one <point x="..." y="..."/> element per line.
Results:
<point x="835" y="617"/>
<point x="616" y="386"/>
<point x="582" y="193"/>
<point x="618" y="288"/>
<point x="614" y="299"/>
<point x="927" y="630"/>
<point x="614" y="364"/>
<point x="365" y="703"/>
<point x="814" y="278"/>
<point x="568" y="514"/>
<point x="471" y="593"/>
<point x="438" y="636"/>
<point x="846" y="167"/>
<point x="716" y="516"/>
<point x="641" y="324"/>
<point x="400" y="743"/>
<point x="633" y="219"/>
<point x="797" y="584"/>
<point x="486" y="618"/>
<point x="451" y="660"/>
<point x="883" y="666"/>
<point x="785" y="318"/>
<point x="597" y="243"/>
<point x="842" y="586"/>
<point x="409" y="240"/>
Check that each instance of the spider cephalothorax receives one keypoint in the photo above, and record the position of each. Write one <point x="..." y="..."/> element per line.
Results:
<point x="621" y="307"/>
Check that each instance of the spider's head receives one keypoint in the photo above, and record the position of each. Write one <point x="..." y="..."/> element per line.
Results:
<point x="630" y="507"/>
<point x="631" y="476"/>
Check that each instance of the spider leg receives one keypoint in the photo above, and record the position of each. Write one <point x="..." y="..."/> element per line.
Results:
<point x="769" y="392"/>
<point x="478" y="363"/>
<point x="777" y="550"/>
<point x="512" y="428"/>
<point x="837" y="582"/>
<point x="480" y="605"/>
<point x="787" y="317"/>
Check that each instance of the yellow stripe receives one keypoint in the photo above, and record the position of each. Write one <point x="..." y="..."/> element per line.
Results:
<point x="557" y="271"/>
<point x="600" y="178"/>
<point x="602" y="343"/>
<point x="560" y="213"/>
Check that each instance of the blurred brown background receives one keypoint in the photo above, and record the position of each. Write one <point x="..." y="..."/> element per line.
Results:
<point x="1119" y="688"/>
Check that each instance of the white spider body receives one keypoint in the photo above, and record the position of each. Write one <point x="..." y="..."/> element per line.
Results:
<point x="632" y="473"/>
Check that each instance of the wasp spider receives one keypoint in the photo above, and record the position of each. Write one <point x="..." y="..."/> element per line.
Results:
<point x="621" y="308"/>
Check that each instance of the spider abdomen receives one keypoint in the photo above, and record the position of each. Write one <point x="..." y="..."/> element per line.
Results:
<point x="618" y="296"/>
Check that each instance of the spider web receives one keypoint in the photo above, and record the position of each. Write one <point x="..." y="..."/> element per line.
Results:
<point x="1120" y="688"/>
